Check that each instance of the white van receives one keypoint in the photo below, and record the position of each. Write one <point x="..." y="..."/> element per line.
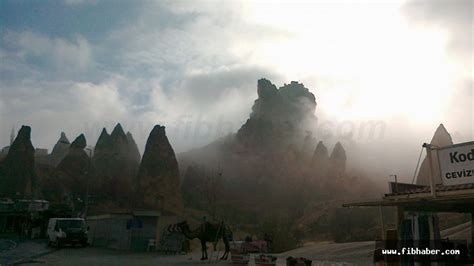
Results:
<point x="67" y="231"/>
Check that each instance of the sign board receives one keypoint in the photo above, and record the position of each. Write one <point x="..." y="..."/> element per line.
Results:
<point x="456" y="163"/>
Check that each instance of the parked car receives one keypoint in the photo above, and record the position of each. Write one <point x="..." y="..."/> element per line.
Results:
<point x="63" y="231"/>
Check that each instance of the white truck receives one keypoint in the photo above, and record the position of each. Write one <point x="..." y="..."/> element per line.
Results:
<point x="63" y="231"/>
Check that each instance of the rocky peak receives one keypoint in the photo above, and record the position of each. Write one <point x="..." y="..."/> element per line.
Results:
<point x="338" y="161"/>
<point x="116" y="161"/>
<point x="321" y="152"/>
<point x="75" y="170"/>
<point x="440" y="138"/>
<point x="320" y="160"/>
<point x="338" y="153"/>
<point x="118" y="135"/>
<point x="79" y="143"/>
<point x="280" y="104"/>
<point x="279" y="116"/>
<point x="103" y="142"/>
<point x="23" y="138"/>
<point x="266" y="90"/>
<point x="63" y="139"/>
<point x="60" y="150"/>
<point x="158" y="175"/>
<point x="17" y="174"/>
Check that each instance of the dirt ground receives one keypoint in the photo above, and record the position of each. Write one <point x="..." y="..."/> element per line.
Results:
<point x="322" y="254"/>
<point x="358" y="253"/>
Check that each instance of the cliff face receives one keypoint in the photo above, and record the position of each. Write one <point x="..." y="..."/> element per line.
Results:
<point x="158" y="176"/>
<point x="440" y="138"/>
<point x="17" y="170"/>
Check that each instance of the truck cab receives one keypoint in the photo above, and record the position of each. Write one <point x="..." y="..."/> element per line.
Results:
<point x="63" y="231"/>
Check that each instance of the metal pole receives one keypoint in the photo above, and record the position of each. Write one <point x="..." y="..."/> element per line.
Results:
<point x="430" y="161"/>
<point x="86" y="207"/>
<point x="472" y="230"/>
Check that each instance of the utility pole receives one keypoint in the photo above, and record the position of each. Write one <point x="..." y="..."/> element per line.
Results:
<point x="86" y="207"/>
<point x="430" y="161"/>
<point x="396" y="183"/>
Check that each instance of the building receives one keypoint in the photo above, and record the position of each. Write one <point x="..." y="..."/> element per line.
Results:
<point x="133" y="231"/>
<point x="24" y="217"/>
<point x="455" y="195"/>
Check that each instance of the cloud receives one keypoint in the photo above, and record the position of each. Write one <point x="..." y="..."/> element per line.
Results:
<point x="50" y="107"/>
<point x="203" y="89"/>
<point x="62" y="54"/>
<point x="194" y="68"/>
<point x="78" y="2"/>
<point x="456" y="17"/>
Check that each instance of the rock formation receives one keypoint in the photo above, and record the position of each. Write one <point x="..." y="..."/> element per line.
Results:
<point x="320" y="159"/>
<point x="103" y="142"/>
<point x="337" y="161"/>
<point x="60" y="150"/>
<point x="279" y="116"/>
<point x="193" y="186"/>
<point x="116" y="160"/>
<point x="440" y="138"/>
<point x="133" y="151"/>
<point x="17" y="171"/>
<point x="158" y="176"/>
<point x="307" y="148"/>
<point x="76" y="163"/>
<point x="75" y="172"/>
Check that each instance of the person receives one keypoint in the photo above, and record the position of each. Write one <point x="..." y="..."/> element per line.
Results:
<point x="269" y="240"/>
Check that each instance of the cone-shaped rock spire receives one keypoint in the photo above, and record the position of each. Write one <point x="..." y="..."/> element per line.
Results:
<point x="17" y="173"/>
<point x="440" y="138"/>
<point x="158" y="177"/>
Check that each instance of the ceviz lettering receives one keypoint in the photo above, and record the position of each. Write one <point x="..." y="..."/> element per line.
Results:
<point x="461" y="157"/>
<point x="458" y="174"/>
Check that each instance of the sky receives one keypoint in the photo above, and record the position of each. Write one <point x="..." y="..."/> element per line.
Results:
<point x="77" y="66"/>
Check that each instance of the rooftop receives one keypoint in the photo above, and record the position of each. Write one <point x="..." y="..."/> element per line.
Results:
<point x="457" y="198"/>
